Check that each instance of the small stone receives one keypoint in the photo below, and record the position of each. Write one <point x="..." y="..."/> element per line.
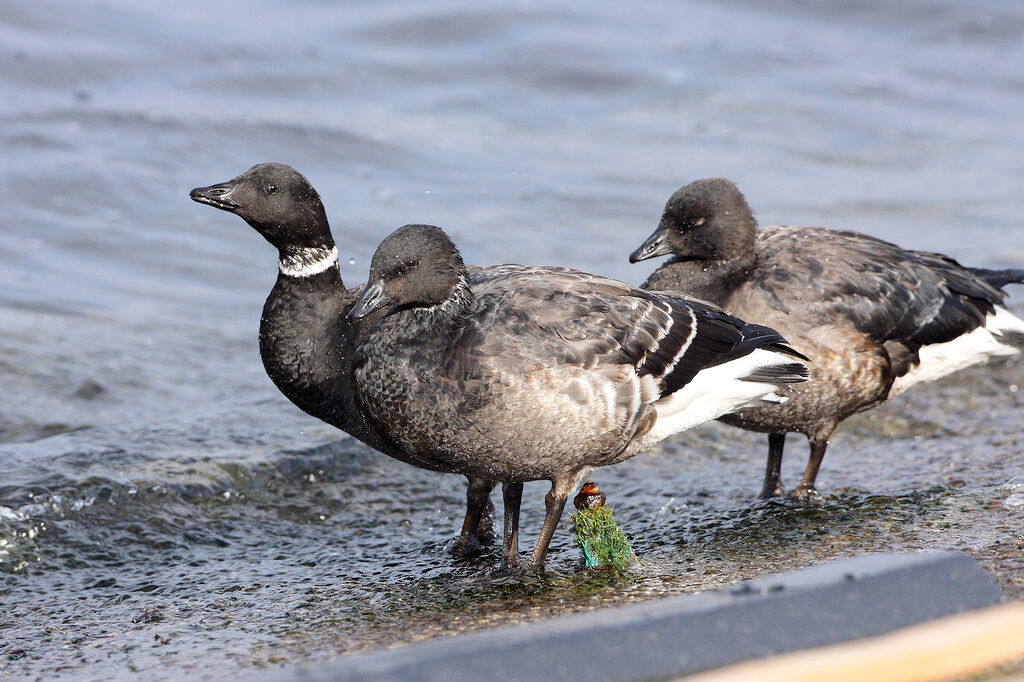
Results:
<point x="89" y="390"/>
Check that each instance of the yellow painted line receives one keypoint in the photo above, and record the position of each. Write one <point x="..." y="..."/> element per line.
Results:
<point x="936" y="650"/>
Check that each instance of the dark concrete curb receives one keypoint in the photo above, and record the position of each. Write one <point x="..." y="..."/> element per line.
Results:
<point x="846" y="600"/>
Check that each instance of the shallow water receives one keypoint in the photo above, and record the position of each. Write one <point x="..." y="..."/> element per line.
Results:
<point x="163" y="509"/>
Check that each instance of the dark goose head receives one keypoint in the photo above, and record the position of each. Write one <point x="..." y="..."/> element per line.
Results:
<point x="278" y="202"/>
<point x="706" y="220"/>
<point x="416" y="266"/>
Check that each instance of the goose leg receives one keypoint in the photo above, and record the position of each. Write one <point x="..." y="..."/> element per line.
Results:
<point x="477" y="528"/>
<point x="512" y="493"/>
<point x="485" y="528"/>
<point x="554" y="503"/>
<point x="818" y="442"/>
<point x="773" y="470"/>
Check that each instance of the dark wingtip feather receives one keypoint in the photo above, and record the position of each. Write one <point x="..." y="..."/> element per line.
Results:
<point x="787" y="350"/>
<point x="761" y="336"/>
<point x="1012" y="338"/>
<point x="999" y="278"/>
<point x="789" y="373"/>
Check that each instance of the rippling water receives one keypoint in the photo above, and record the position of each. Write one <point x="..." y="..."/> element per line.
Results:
<point x="163" y="509"/>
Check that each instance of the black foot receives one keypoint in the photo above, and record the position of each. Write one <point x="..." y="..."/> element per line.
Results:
<point x="466" y="547"/>
<point x="506" y="570"/>
<point x="530" y="568"/>
<point x="768" y="493"/>
<point x="522" y="571"/>
<point x="805" y="493"/>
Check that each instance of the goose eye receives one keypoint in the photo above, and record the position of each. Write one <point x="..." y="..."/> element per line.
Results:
<point x="271" y="189"/>
<point x="404" y="267"/>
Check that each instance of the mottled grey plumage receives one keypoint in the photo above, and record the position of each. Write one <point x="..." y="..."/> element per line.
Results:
<point x="307" y="340"/>
<point x="860" y="307"/>
<point x="528" y="373"/>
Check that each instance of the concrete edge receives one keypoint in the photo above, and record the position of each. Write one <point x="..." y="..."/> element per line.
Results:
<point x="836" y="602"/>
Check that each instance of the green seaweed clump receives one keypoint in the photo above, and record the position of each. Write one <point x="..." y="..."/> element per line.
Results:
<point x="603" y="543"/>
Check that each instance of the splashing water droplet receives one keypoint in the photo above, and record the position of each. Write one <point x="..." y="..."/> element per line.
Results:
<point x="351" y="261"/>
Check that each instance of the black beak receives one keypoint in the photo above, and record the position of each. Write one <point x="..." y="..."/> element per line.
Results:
<point x="656" y="245"/>
<point x="373" y="298"/>
<point x="218" y="196"/>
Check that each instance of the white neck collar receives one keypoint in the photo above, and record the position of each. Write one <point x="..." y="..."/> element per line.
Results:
<point x="306" y="262"/>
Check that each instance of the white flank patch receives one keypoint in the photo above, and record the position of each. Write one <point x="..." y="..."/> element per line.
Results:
<point x="981" y="345"/>
<point x="717" y="391"/>
<point x="308" y="262"/>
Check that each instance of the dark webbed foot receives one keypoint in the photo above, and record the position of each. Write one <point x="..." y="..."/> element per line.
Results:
<point x="805" y="493"/>
<point x="465" y="547"/>
<point x="478" y="526"/>
<point x="775" y="490"/>
<point x="469" y="545"/>
<point x="503" y="570"/>
<point x="532" y="569"/>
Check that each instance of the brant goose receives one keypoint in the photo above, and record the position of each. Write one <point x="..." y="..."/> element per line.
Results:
<point x="874" y="318"/>
<point x="542" y="373"/>
<point x="306" y="337"/>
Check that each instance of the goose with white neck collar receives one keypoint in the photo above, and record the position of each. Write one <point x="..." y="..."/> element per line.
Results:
<point x="306" y="338"/>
